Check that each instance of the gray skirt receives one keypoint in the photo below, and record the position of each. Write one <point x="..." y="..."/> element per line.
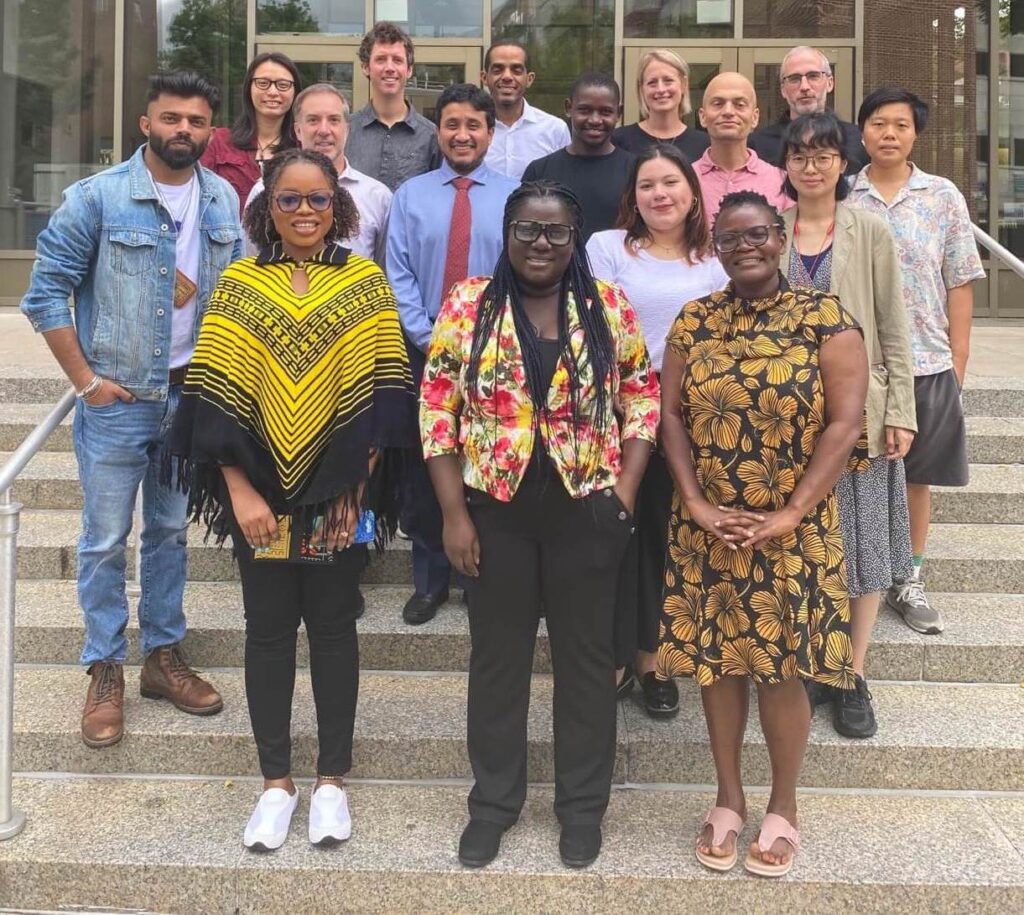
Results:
<point x="876" y="526"/>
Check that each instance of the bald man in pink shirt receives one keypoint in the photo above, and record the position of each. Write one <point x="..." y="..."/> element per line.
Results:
<point x="729" y="114"/>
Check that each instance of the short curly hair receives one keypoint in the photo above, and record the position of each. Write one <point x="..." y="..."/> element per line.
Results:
<point x="385" y="33"/>
<point x="258" y="222"/>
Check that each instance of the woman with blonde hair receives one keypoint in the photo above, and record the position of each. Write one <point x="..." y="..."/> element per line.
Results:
<point x="663" y="90"/>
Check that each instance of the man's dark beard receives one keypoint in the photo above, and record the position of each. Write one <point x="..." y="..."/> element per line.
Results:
<point x="176" y="157"/>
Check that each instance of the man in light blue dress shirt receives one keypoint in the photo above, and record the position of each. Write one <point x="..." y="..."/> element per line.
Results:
<point x="417" y="254"/>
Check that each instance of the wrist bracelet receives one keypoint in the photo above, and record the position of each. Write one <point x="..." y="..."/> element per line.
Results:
<point x="91" y="388"/>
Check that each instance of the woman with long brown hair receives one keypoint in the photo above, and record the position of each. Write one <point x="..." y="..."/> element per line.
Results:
<point x="661" y="256"/>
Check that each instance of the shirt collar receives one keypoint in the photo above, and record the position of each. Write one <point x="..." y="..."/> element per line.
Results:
<point x="480" y="174"/>
<point x="918" y="180"/>
<point x="370" y="115"/>
<point x="334" y="254"/>
<point x="705" y="164"/>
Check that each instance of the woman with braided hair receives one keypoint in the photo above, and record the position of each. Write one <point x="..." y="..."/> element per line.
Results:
<point x="537" y="477"/>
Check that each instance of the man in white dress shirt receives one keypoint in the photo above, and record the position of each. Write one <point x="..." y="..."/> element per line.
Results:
<point x="522" y="133"/>
<point x="321" y="124"/>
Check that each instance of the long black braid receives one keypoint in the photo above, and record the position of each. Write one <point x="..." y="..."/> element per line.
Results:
<point x="598" y="348"/>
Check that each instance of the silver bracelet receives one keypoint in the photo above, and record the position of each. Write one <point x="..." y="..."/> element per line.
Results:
<point x="91" y="388"/>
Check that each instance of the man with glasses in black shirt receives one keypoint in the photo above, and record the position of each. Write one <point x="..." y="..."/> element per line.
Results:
<point x="805" y="81"/>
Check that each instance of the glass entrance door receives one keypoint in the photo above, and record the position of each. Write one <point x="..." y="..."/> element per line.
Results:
<point x="338" y="64"/>
<point x="704" y="63"/>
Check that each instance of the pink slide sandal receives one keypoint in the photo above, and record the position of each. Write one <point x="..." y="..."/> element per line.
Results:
<point x="722" y="821"/>
<point x="773" y="827"/>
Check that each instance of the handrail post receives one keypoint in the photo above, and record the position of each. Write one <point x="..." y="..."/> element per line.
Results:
<point x="11" y="821"/>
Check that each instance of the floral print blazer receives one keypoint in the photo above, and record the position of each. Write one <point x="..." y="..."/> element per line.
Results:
<point x="493" y="432"/>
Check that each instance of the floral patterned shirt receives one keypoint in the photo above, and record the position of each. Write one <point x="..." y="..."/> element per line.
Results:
<point x="493" y="431"/>
<point x="932" y="227"/>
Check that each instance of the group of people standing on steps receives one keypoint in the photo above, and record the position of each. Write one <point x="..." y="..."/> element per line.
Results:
<point x="680" y="391"/>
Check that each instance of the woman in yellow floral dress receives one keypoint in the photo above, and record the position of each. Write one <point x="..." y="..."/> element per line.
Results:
<point x="763" y="390"/>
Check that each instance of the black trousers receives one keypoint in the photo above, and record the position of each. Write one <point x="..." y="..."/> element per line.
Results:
<point x="277" y="597"/>
<point x="544" y="547"/>
<point x="642" y="577"/>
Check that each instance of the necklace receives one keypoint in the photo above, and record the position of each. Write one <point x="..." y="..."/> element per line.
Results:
<point x="261" y="148"/>
<point x="668" y="249"/>
<point x="821" y="248"/>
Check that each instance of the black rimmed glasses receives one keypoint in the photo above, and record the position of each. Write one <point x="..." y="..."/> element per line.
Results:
<point x="528" y="231"/>
<point x="755" y="236"/>
<point x="822" y="162"/>
<point x="289" y="201"/>
<point x="281" y="85"/>
<point x="814" y="77"/>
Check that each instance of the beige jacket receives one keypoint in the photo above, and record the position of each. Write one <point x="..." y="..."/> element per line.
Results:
<point x="866" y="278"/>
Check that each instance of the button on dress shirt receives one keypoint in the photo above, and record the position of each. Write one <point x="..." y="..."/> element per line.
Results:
<point x="755" y="175"/>
<point x="391" y="154"/>
<point x="534" y="135"/>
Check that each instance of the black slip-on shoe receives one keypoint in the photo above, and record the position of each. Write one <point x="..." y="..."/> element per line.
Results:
<point x="480" y="843"/>
<point x="422" y="608"/>
<point x="579" y="844"/>
<point x="661" y="697"/>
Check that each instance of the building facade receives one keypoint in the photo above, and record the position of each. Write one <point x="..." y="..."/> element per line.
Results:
<point x="73" y="77"/>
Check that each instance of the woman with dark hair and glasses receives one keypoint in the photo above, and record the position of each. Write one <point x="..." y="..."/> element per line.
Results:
<point x="299" y="391"/>
<point x="763" y="388"/>
<point x="537" y="477"/>
<point x="264" y="126"/>
<point x="851" y="254"/>
<point x="661" y="256"/>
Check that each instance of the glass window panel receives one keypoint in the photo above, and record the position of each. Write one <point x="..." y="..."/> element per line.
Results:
<point x="428" y="81"/>
<point x="338" y="75"/>
<point x="801" y="18"/>
<point x="769" y="97"/>
<point x="434" y="18"/>
<point x="678" y="19"/>
<point x="564" y="39"/>
<point x="337" y="17"/>
<point x="1010" y="152"/>
<point x="56" y="107"/>
<point x="203" y="35"/>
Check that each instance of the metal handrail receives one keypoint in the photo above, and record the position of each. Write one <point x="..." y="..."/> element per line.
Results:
<point x="1004" y="254"/>
<point x="13" y="821"/>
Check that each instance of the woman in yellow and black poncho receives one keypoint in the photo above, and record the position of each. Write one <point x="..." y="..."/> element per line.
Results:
<point x="299" y="390"/>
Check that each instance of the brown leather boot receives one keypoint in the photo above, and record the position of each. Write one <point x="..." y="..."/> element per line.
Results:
<point x="103" y="715"/>
<point x="166" y="675"/>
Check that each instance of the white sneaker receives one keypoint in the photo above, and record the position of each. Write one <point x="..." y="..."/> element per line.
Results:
<point x="268" y="826"/>
<point x="329" y="819"/>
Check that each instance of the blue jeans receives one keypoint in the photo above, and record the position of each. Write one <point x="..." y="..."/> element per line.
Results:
<point x="118" y="447"/>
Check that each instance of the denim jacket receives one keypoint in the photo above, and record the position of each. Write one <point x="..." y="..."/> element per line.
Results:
<point x="111" y="244"/>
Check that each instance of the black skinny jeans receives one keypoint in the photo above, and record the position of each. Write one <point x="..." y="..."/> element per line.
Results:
<point x="544" y="547"/>
<point x="277" y="597"/>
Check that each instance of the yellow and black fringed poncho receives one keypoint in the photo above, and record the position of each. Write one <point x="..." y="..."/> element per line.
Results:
<point x="296" y="390"/>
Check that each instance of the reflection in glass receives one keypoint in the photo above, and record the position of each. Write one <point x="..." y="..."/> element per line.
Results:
<point x="337" y="17"/>
<point x="56" y="105"/>
<point x="338" y="75"/>
<point x="700" y="76"/>
<point x="800" y="18"/>
<point x="564" y="38"/>
<point x="203" y="35"/>
<point x="428" y="81"/>
<point x="678" y="19"/>
<point x="434" y="18"/>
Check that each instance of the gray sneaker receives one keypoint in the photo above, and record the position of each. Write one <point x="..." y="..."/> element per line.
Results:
<point x="910" y="602"/>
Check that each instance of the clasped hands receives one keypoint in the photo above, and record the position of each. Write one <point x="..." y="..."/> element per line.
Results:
<point x="740" y="527"/>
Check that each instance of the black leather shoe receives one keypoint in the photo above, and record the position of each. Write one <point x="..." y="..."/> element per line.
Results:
<point x="661" y="697"/>
<point x="626" y="684"/>
<point x="853" y="714"/>
<point x="580" y="844"/>
<point x="480" y="843"/>
<point x="422" y="608"/>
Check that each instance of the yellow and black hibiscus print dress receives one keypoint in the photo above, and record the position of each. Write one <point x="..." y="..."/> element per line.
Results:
<point x="754" y="406"/>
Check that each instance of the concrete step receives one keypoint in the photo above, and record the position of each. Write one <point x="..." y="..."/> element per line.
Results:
<point x="48" y="538"/>
<point x="412" y="726"/>
<point x="985" y="558"/>
<point x="995" y="493"/>
<point x="175" y="846"/>
<point x="992" y="396"/>
<point x="17" y="420"/>
<point x="983" y="641"/>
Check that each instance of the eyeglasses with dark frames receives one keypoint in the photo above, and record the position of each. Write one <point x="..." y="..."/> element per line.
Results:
<point x="289" y="201"/>
<point x="281" y="85"/>
<point x="527" y="231"/>
<point x="814" y="77"/>
<point x="822" y="161"/>
<point x="755" y="236"/>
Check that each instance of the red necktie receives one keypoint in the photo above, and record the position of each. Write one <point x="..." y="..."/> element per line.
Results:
<point x="456" y="264"/>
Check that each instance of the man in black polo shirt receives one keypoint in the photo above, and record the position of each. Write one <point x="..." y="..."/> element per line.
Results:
<point x="805" y="81"/>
